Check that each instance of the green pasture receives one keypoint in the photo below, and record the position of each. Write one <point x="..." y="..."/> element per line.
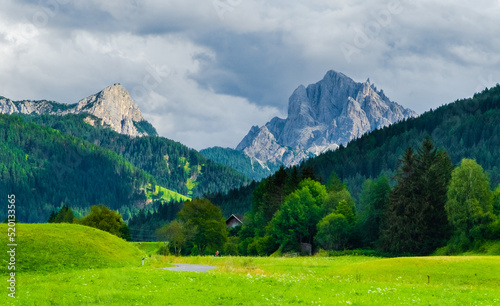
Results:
<point x="107" y="270"/>
<point x="166" y="194"/>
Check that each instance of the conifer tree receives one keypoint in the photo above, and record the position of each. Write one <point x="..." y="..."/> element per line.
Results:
<point x="415" y="218"/>
<point x="396" y="235"/>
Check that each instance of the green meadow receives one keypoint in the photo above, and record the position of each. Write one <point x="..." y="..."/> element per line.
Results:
<point x="75" y="265"/>
<point x="165" y="194"/>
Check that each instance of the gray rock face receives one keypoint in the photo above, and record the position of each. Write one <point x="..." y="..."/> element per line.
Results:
<point x="113" y="105"/>
<point x="263" y="147"/>
<point x="321" y="117"/>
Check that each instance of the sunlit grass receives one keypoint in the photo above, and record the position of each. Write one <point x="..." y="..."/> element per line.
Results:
<point x="55" y="247"/>
<point x="118" y="278"/>
<point x="311" y="284"/>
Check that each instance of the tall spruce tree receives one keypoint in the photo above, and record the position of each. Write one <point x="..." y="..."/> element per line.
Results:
<point x="415" y="219"/>
<point x="433" y="176"/>
<point x="396" y="233"/>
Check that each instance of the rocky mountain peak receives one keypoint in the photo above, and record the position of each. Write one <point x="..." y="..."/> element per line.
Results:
<point x="113" y="105"/>
<point x="323" y="116"/>
<point x="247" y="141"/>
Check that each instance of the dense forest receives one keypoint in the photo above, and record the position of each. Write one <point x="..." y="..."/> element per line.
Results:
<point x="465" y="129"/>
<point x="434" y="207"/>
<point x="173" y="165"/>
<point x="46" y="170"/>
<point x="241" y="162"/>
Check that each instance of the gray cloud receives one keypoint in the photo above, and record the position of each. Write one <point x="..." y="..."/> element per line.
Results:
<point x="203" y="74"/>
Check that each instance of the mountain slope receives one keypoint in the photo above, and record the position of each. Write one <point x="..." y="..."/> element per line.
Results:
<point x="240" y="161"/>
<point x="46" y="169"/>
<point x="465" y="129"/>
<point x="113" y="105"/>
<point x="173" y="165"/>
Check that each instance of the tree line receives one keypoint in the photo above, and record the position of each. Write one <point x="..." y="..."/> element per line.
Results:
<point x="432" y="205"/>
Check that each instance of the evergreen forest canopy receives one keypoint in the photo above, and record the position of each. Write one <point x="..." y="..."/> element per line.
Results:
<point x="46" y="170"/>
<point x="173" y="165"/>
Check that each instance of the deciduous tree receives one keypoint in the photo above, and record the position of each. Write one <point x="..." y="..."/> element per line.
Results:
<point x="103" y="218"/>
<point x="470" y="203"/>
<point x="210" y="225"/>
<point x="333" y="232"/>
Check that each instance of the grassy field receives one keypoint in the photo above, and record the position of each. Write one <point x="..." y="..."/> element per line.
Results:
<point x="167" y="194"/>
<point x="351" y="280"/>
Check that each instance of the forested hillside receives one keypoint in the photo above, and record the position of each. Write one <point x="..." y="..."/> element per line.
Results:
<point x="240" y="161"/>
<point x="172" y="164"/>
<point x="465" y="129"/>
<point x="468" y="128"/>
<point x="46" y="169"/>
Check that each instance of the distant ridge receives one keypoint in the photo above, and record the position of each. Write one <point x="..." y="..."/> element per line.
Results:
<point x="113" y="105"/>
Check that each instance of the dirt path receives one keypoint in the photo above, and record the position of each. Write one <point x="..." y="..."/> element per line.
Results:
<point x="190" y="268"/>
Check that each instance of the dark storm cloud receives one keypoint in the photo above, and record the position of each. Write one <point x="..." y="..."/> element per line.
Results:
<point x="257" y="66"/>
<point x="218" y="70"/>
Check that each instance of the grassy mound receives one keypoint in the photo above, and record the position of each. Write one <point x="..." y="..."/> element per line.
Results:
<point x="56" y="247"/>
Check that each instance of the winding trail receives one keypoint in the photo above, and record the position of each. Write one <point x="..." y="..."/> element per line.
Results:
<point x="190" y="268"/>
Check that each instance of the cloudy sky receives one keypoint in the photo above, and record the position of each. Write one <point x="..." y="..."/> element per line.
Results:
<point x="203" y="72"/>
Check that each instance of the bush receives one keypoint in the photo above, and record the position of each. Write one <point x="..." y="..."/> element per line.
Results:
<point x="266" y="245"/>
<point x="164" y="249"/>
<point x="252" y="248"/>
<point x="231" y="246"/>
<point x="333" y="232"/>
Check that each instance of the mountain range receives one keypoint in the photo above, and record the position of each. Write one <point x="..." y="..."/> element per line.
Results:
<point x="321" y="117"/>
<point x="101" y="150"/>
<point x="97" y="151"/>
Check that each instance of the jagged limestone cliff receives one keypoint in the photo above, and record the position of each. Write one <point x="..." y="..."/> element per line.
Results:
<point x="113" y="105"/>
<point x="321" y="117"/>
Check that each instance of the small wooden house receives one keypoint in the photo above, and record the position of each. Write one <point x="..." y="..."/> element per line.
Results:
<point x="234" y="221"/>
